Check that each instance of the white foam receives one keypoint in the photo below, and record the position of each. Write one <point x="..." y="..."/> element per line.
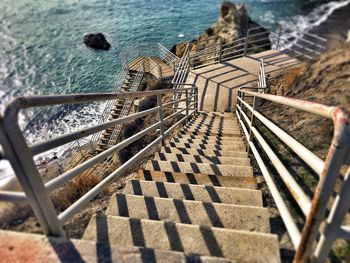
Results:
<point x="6" y="173"/>
<point x="298" y="24"/>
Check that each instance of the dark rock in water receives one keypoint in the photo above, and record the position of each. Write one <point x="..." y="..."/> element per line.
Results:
<point x="97" y="41"/>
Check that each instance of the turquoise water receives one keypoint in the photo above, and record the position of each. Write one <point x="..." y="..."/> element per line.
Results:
<point x="41" y="49"/>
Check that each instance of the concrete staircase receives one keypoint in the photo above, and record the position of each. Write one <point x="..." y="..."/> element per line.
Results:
<point x="195" y="202"/>
<point x="121" y="108"/>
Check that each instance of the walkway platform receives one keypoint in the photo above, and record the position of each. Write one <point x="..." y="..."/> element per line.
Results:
<point x="167" y="71"/>
<point x="218" y="83"/>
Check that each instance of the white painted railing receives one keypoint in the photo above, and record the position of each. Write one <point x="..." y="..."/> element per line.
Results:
<point x="313" y="207"/>
<point x="20" y="154"/>
<point x="304" y="45"/>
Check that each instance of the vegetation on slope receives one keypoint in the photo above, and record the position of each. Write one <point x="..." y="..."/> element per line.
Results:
<point x="326" y="81"/>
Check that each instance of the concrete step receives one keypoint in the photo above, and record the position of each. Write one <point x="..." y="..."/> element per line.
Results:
<point x="242" y="246"/>
<point x="229" y="216"/>
<point x="197" y="179"/>
<point x="184" y="167"/>
<point x="202" y="141"/>
<point x="235" y="146"/>
<point x="204" y="137"/>
<point x="228" y="115"/>
<point x="204" y="193"/>
<point x="214" y="131"/>
<point x="207" y="133"/>
<point x="214" y="125"/>
<point x="203" y="119"/>
<point x="24" y="247"/>
<point x="193" y="151"/>
<point x="201" y="159"/>
<point x="217" y="121"/>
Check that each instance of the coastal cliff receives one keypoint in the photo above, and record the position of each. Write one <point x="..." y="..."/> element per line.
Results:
<point x="232" y="24"/>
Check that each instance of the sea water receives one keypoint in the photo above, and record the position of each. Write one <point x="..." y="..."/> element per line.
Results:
<point x="42" y="52"/>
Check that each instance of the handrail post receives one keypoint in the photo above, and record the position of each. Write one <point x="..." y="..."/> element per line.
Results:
<point x="187" y="105"/>
<point x="196" y="99"/>
<point x="251" y="122"/>
<point x="241" y="104"/>
<point x="220" y="51"/>
<point x="246" y="42"/>
<point x="160" y="72"/>
<point x="278" y="37"/>
<point x="21" y="159"/>
<point x="161" y="117"/>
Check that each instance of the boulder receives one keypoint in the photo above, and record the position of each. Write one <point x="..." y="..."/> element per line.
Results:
<point x="232" y="24"/>
<point x="97" y="41"/>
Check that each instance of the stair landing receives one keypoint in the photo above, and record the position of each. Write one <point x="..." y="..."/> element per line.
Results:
<point x="218" y="83"/>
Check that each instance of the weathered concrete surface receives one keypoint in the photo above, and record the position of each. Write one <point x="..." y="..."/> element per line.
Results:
<point x="215" y="169"/>
<point x="198" y="179"/>
<point x="232" y="244"/>
<point x="201" y="159"/>
<point x="187" y="199"/>
<point x="22" y="247"/>
<point x="224" y="132"/>
<point x="213" y="125"/>
<point x="203" y="141"/>
<point x="235" y="146"/>
<point x="204" y="193"/>
<point x="167" y="149"/>
<point x="210" y="133"/>
<point x="213" y="137"/>
<point x="229" y="216"/>
<point x="218" y="83"/>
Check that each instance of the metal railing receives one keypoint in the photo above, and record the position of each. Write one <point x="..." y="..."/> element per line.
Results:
<point x="301" y="45"/>
<point x="261" y="83"/>
<point x="153" y="68"/>
<point x="182" y="69"/>
<point x="149" y="50"/>
<point x="127" y="106"/>
<point x="20" y="154"/>
<point x="328" y="171"/>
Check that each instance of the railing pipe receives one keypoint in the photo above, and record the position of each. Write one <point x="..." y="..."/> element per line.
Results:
<point x="65" y="177"/>
<point x="84" y="200"/>
<point x="161" y="117"/>
<point x="309" y="157"/>
<point x="333" y="228"/>
<point x="336" y="157"/>
<point x="21" y="159"/>
<point x="10" y="196"/>
<point x="41" y="147"/>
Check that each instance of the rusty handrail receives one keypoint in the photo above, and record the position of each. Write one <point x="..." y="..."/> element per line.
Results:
<point x="328" y="171"/>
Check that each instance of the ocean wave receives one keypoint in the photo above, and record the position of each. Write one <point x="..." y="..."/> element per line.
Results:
<point x="302" y="23"/>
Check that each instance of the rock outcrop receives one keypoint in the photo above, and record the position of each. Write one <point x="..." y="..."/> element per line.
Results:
<point x="232" y="24"/>
<point x="97" y="41"/>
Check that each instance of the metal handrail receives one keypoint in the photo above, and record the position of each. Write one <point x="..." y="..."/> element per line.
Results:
<point x="328" y="171"/>
<point x="21" y="155"/>
<point x="183" y="68"/>
<point x="156" y="50"/>
<point x="261" y="83"/>
<point x="211" y="53"/>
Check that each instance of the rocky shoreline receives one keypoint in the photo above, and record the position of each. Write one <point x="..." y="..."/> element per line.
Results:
<point x="232" y="24"/>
